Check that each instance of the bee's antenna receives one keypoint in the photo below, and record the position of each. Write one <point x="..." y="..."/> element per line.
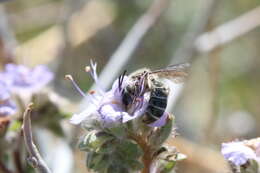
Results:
<point x="119" y="82"/>
<point x="121" y="79"/>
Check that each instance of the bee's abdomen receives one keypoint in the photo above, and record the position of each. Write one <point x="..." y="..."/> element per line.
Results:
<point x="156" y="106"/>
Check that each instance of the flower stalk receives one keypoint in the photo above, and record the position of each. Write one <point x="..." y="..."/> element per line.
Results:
<point x="35" y="158"/>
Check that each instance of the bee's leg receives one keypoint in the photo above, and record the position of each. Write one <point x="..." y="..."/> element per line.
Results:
<point x="121" y="118"/>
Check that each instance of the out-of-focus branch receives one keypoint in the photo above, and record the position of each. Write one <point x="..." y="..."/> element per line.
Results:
<point x="46" y="12"/>
<point x="228" y="31"/>
<point x="131" y="41"/>
<point x="7" y="40"/>
<point x="214" y="74"/>
<point x="35" y="158"/>
<point x="200" y="156"/>
<point x="3" y="168"/>
<point x="217" y="37"/>
<point x="186" y="49"/>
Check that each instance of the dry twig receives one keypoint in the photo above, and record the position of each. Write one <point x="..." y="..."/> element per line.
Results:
<point x="35" y="158"/>
<point x="229" y="31"/>
<point x="131" y="41"/>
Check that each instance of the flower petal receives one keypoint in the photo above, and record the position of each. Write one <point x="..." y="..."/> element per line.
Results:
<point x="22" y="79"/>
<point x="4" y="93"/>
<point x="7" y="108"/>
<point x="111" y="114"/>
<point x="78" y="118"/>
<point x="160" y="122"/>
<point x="237" y="153"/>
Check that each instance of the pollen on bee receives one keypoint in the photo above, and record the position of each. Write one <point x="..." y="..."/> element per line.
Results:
<point x="114" y="102"/>
<point x="92" y="92"/>
<point x="138" y="99"/>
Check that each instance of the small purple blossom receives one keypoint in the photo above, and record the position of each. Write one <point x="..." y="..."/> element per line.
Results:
<point x="4" y="92"/>
<point x="107" y="107"/>
<point x="7" y="107"/>
<point x="20" y="79"/>
<point x="237" y="153"/>
<point x="161" y="121"/>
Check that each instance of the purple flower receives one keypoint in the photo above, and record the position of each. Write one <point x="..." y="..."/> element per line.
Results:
<point x="107" y="107"/>
<point x="7" y="107"/>
<point x="161" y="121"/>
<point x="4" y="92"/>
<point x="21" y="79"/>
<point x="237" y="153"/>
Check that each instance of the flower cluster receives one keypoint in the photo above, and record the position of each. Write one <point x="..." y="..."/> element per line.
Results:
<point x="19" y="79"/>
<point x="107" y="107"/>
<point x="241" y="152"/>
<point x="7" y="107"/>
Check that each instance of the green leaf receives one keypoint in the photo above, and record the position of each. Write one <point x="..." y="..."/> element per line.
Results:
<point x="168" y="167"/>
<point x="250" y="167"/>
<point x="180" y="157"/>
<point x="135" y="164"/>
<point x="118" y="131"/>
<point x="84" y="143"/>
<point x="94" y="140"/>
<point x="89" y="160"/>
<point x="129" y="149"/>
<point x="160" y="135"/>
<point x="15" y="125"/>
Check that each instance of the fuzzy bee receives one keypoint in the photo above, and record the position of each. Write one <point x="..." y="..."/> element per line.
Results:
<point x="144" y="81"/>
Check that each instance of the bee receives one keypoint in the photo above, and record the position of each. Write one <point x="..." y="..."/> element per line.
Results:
<point x="144" y="81"/>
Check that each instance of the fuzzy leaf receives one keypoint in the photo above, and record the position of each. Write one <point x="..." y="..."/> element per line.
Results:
<point x="168" y="167"/>
<point x="250" y="167"/>
<point x="94" y="140"/>
<point x="129" y="149"/>
<point x="161" y="134"/>
<point x="180" y="157"/>
<point x="118" y="131"/>
<point x="135" y="164"/>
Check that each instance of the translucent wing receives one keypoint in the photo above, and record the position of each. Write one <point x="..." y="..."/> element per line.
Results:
<point x="176" y="73"/>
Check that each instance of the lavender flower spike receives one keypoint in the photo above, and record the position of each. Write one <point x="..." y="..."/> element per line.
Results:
<point x="107" y="107"/>
<point x="7" y="107"/>
<point x="237" y="153"/>
<point x="22" y="79"/>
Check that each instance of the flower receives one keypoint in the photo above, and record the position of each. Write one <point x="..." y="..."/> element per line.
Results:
<point x="161" y="121"/>
<point x="107" y="107"/>
<point x="237" y="153"/>
<point x="20" y="79"/>
<point x="7" y="107"/>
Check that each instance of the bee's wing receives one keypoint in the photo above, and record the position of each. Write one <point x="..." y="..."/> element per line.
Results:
<point x="176" y="73"/>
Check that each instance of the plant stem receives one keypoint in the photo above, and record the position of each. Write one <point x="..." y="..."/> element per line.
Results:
<point x="147" y="158"/>
<point x="17" y="161"/>
<point x="35" y="158"/>
<point x="3" y="168"/>
<point x="17" y="154"/>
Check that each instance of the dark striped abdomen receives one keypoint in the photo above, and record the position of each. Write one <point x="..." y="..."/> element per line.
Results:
<point x="157" y="105"/>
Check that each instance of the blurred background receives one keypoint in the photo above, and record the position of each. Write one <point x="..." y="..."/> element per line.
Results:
<point x="218" y="103"/>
